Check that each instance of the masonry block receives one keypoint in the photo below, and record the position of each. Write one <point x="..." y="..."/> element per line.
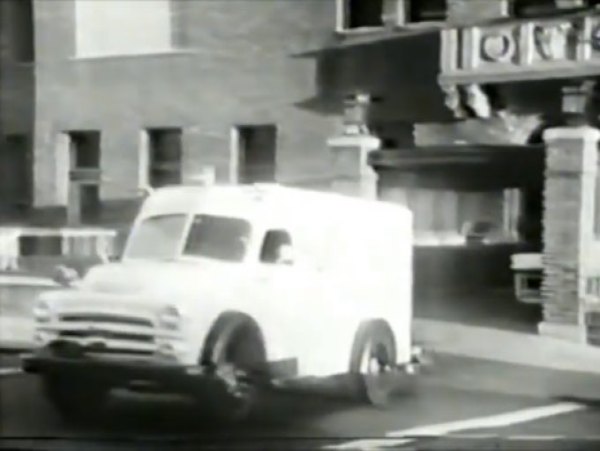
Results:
<point x="352" y="174"/>
<point x="571" y="162"/>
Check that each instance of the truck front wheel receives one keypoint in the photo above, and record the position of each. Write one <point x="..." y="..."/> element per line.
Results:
<point x="74" y="402"/>
<point x="238" y="357"/>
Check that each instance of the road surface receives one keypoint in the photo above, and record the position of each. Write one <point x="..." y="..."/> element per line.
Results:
<point x="456" y="399"/>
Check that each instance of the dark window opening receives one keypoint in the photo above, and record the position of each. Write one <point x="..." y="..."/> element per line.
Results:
<point x="257" y="153"/>
<point x="89" y="199"/>
<point x="532" y="8"/>
<point x="165" y="153"/>
<point x="272" y="245"/>
<point x="19" y="24"/>
<point x="16" y="172"/>
<point x="530" y="218"/>
<point x="364" y="13"/>
<point x="427" y="11"/>
<point x="84" y="203"/>
<point x="533" y="283"/>
<point x="40" y="246"/>
<point x="389" y="143"/>
<point x="86" y="149"/>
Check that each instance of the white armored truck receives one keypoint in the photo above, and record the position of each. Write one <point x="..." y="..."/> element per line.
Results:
<point x="232" y="288"/>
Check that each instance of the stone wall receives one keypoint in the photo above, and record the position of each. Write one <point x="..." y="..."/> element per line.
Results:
<point x="571" y="166"/>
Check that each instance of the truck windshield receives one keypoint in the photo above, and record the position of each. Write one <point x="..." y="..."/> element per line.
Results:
<point x="157" y="237"/>
<point x="218" y="237"/>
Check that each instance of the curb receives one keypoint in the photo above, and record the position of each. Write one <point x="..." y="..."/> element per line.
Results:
<point x="506" y="346"/>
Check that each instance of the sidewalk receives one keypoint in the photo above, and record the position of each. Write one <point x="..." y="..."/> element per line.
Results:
<point x="493" y="325"/>
<point x="506" y="346"/>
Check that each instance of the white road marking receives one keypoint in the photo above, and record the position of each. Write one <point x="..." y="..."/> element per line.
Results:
<point x="468" y="436"/>
<point x="536" y="438"/>
<point x="10" y="371"/>
<point x="398" y="438"/>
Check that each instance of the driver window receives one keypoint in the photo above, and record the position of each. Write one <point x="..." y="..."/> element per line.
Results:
<point x="276" y="248"/>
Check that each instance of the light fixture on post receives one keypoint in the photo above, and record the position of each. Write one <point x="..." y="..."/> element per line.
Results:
<point x="356" y="113"/>
<point x="578" y="102"/>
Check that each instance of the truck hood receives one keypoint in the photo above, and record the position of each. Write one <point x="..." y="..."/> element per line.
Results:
<point x="157" y="279"/>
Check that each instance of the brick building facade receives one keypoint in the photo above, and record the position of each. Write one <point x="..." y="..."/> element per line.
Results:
<point x="135" y="93"/>
<point x="475" y="113"/>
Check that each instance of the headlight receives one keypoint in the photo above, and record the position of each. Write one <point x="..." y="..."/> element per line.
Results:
<point x="42" y="312"/>
<point x="169" y="318"/>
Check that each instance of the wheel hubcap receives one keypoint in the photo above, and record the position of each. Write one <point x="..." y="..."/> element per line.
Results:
<point x="374" y="360"/>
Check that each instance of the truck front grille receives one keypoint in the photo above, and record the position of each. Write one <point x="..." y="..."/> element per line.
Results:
<point x="118" y="333"/>
<point x="105" y="318"/>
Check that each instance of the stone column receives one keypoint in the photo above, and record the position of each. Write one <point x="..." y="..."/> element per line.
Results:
<point x="351" y="172"/>
<point x="571" y="166"/>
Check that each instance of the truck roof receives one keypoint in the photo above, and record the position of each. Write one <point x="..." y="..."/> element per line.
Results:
<point x="243" y="200"/>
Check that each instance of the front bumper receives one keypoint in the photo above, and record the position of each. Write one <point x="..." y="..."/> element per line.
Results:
<point x="158" y="374"/>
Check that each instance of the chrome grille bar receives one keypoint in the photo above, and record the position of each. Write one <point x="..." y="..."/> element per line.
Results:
<point x="106" y="334"/>
<point x="105" y="318"/>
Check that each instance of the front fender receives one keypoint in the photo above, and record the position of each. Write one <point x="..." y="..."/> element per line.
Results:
<point x="197" y="327"/>
<point x="200" y="326"/>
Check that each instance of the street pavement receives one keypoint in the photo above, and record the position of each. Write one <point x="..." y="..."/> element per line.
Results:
<point x="455" y="399"/>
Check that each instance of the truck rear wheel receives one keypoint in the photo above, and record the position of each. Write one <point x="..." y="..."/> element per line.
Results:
<point x="239" y="361"/>
<point x="373" y="363"/>
<point x="74" y="402"/>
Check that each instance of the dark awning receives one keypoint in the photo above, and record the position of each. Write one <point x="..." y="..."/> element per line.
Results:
<point x="454" y="154"/>
<point x="359" y="39"/>
<point x="462" y="167"/>
<point x="398" y="68"/>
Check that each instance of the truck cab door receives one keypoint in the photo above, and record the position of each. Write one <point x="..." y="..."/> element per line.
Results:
<point x="282" y="284"/>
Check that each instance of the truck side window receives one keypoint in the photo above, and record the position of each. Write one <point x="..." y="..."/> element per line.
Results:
<point x="218" y="237"/>
<point x="274" y="243"/>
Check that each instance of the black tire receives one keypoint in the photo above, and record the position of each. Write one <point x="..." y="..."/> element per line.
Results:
<point x="75" y="403"/>
<point x="373" y="363"/>
<point x="237" y="354"/>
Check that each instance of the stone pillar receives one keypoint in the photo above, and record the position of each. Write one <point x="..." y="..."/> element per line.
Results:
<point x="571" y="167"/>
<point x="352" y="174"/>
